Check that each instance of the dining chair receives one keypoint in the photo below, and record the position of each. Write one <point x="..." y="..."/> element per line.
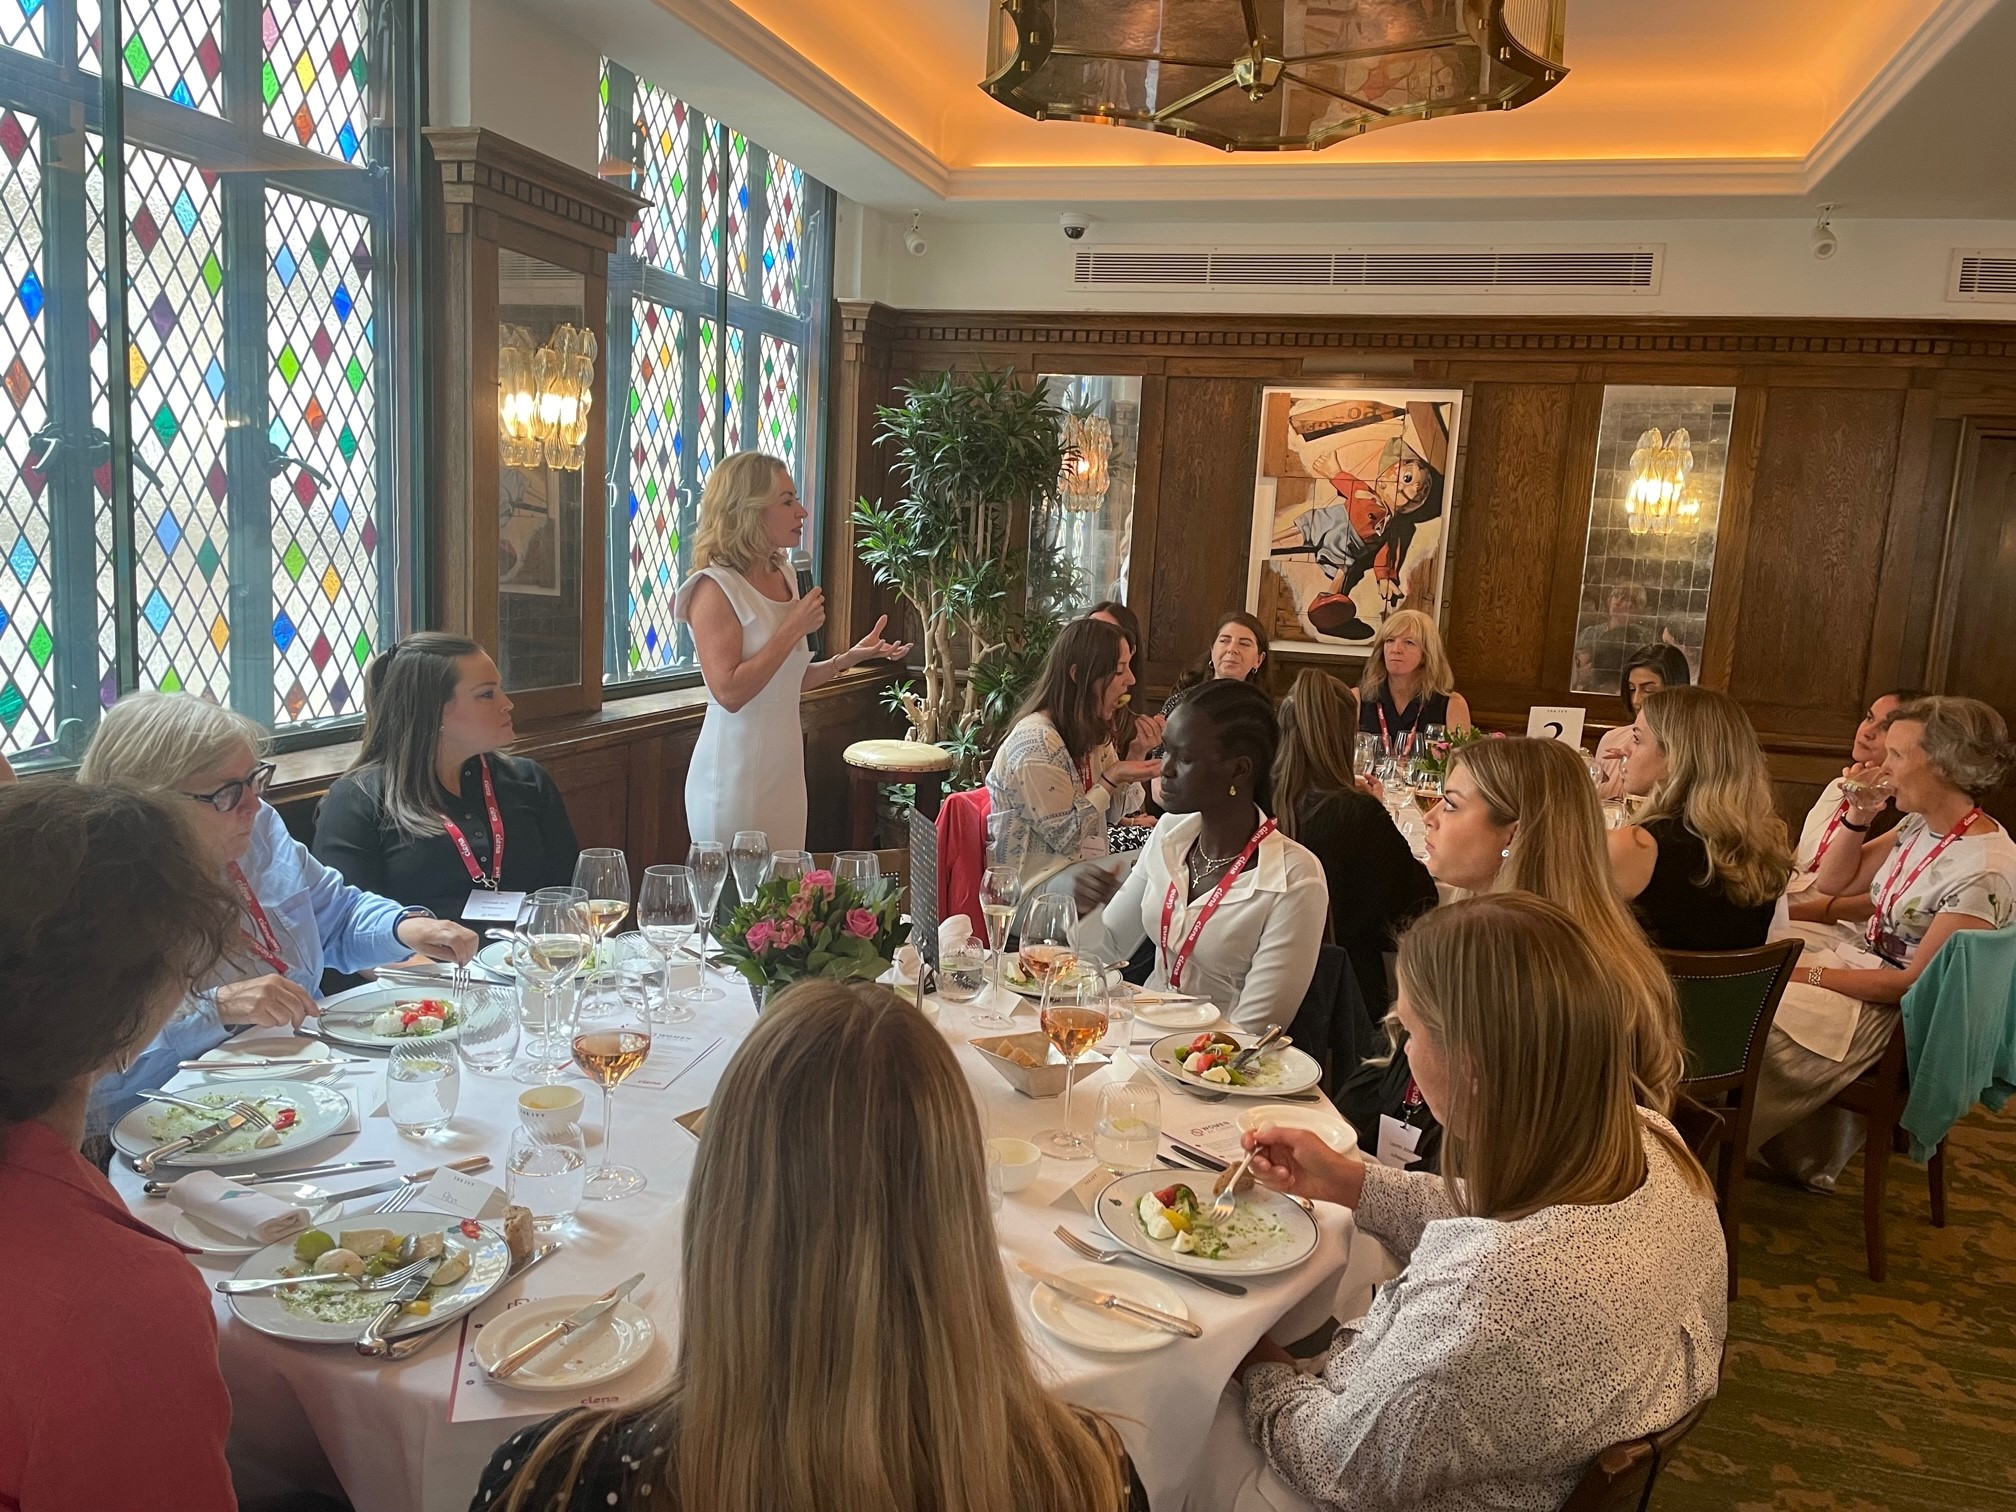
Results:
<point x="1620" y="1479"/>
<point x="1877" y="1097"/>
<point x="1728" y="999"/>
<point x="962" y="854"/>
<point x="1314" y="1024"/>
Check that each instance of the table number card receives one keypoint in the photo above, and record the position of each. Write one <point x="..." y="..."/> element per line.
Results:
<point x="460" y="1196"/>
<point x="1560" y="722"/>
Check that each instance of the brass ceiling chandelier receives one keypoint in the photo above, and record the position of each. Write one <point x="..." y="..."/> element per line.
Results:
<point x="1271" y="75"/>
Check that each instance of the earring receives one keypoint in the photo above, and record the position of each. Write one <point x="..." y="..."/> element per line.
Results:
<point x="1505" y="854"/>
<point x="1233" y="790"/>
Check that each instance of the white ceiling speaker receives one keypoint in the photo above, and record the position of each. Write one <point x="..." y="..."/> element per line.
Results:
<point x="913" y="239"/>
<point x="1825" y="242"/>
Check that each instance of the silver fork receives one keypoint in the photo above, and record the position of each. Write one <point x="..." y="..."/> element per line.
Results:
<point x="400" y="1200"/>
<point x="248" y="1115"/>
<point x="1100" y="1256"/>
<point x="386" y="1282"/>
<point x="1227" y="1189"/>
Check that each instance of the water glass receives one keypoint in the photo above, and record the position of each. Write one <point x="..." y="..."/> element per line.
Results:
<point x="546" y="1015"/>
<point x="546" y="1173"/>
<point x="422" y="1085"/>
<point x="1129" y="1126"/>
<point x="790" y="865"/>
<point x="749" y="855"/>
<point x="487" y="1037"/>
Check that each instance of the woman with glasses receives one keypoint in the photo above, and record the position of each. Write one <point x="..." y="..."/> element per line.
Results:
<point x="296" y="915"/>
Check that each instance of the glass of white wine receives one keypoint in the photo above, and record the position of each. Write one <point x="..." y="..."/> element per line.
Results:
<point x="708" y="861"/>
<point x="603" y="873"/>
<point x="554" y="942"/>
<point x="609" y="1053"/>
<point x="668" y="915"/>
<point x="1000" y="887"/>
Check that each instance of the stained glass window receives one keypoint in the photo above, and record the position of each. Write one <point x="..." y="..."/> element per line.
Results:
<point x="715" y="299"/>
<point x="199" y="510"/>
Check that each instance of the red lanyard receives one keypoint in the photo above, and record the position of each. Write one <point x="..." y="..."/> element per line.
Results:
<point x="1827" y="836"/>
<point x="1888" y="896"/>
<point x="496" y="877"/>
<point x="264" y="942"/>
<point x="1176" y="963"/>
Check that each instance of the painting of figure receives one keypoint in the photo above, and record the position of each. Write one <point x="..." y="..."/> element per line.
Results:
<point x="1350" y="511"/>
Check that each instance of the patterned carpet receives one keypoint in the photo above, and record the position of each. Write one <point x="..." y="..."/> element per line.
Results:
<point x="1839" y="1395"/>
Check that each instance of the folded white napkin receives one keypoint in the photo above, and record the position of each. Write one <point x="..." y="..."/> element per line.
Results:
<point x="1817" y="1018"/>
<point x="954" y="935"/>
<point x="242" y="1211"/>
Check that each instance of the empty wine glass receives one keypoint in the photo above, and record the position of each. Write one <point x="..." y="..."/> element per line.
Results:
<point x="1000" y="886"/>
<point x="750" y="856"/>
<point x="1074" y="1023"/>
<point x="609" y="1053"/>
<point x="788" y="865"/>
<point x="708" y="860"/>
<point x="862" y="868"/>
<point x="553" y="945"/>
<point x="668" y="914"/>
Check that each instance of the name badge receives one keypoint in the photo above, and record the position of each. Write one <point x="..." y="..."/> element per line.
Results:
<point x="1397" y="1143"/>
<point x="493" y="907"/>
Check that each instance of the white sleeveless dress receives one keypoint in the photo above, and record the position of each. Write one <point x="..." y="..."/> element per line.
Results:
<point x="748" y="768"/>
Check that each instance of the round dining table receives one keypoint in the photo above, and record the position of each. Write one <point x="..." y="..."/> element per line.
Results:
<point x="413" y="1436"/>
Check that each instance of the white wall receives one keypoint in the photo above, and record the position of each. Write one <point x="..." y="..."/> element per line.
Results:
<point x="1734" y="267"/>
<point x="501" y="68"/>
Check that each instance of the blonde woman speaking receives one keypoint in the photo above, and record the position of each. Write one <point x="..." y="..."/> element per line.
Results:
<point x="749" y="628"/>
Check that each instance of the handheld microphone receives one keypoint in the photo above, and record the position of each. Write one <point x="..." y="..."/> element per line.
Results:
<point x="801" y="563"/>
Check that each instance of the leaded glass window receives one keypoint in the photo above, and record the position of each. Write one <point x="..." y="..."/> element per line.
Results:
<point x="203" y="514"/>
<point x="717" y="308"/>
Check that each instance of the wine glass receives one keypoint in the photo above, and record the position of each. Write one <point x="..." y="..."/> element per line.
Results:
<point x="609" y="1053"/>
<point x="708" y="861"/>
<point x="603" y="873"/>
<point x="1000" y="887"/>
<point x="554" y="943"/>
<point x="862" y="868"/>
<point x="668" y="913"/>
<point x="750" y="856"/>
<point x="788" y="865"/>
<point x="1046" y="950"/>
<point x="1074" y="1023"/>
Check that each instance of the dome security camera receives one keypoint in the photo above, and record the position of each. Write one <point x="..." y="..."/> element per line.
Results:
<point x="913" y="239"/>
<point x="1825" y="242"/>
<point x="1073" y="226"/>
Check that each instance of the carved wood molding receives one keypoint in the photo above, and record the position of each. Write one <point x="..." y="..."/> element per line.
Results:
<point x="474" y="162"/>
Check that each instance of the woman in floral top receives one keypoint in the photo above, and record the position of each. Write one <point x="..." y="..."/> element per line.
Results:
<point x="1945" y="868"/>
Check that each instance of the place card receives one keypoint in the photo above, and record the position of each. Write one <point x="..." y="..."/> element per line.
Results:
<point x="671" y="1057"/>
<point x="1562" y="722"/>
<point x="460" y="1195"/>
<point x="691" y="1122"/>
<point x="487" y="907"/>
<point x="1217" y="1136"/>
<point x="1084" y="1195"/>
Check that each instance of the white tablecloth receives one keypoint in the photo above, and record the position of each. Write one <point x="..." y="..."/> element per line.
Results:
<point x="323" y="1418"/>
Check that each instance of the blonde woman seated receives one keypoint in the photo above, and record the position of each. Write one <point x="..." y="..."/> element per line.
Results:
<point x="1707" y="857"/>
<point x="1057" y="782"/>
<point x="1235" y="907"/>
<point x="1565" y="1274"/>
<point x="1945" y="868"/>
<point x="848" y="1339"/>
<point x="1408" y="687"/>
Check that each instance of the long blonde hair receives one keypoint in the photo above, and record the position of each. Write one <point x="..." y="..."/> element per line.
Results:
<point x="1319" y="733"/>
<point x="1536" y="1031"/>
<point x="1436" y="675"/>
<point x="848" y="1339"/>
<point x="1719" y="786"/>
<point x="152" y="741"/>
<point x="731" y="531"/>
<point x="1558" y="853"/>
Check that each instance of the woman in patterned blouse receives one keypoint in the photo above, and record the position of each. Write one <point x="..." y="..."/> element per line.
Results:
<point x="1565" y="1274"/>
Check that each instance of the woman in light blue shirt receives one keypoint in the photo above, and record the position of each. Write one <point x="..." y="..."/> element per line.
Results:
<point x="298" y="915"/>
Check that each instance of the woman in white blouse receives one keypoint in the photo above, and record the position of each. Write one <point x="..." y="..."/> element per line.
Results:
<point x="1945" y="868"/>
<point x="1057" y="781"/>
<point x="1564" y="1282"/>
<point x="1235" y="907"/>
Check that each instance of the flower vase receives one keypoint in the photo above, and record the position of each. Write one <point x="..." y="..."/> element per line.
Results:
<point x="760" y="991"/>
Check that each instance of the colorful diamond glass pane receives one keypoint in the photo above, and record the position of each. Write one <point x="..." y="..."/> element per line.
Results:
<point x="178" y="422"/>
<point x="657" y="146"/>
<point x="325" y="581"/>
<point x="710" y="206"/>
<point x="659" y="533"/>
<point x="783" y="234"/>
<point x="27" y="590"/>
<point x="735" y="253"/>
<point x="312" y="93"/>
<point x="100" y="364"/>
<point x="706" y="425"/>
<point x="166" y="52"/>
<point x="731" y="409"/>
<point x="777" y="429"/>
<point x="23" y="25"/>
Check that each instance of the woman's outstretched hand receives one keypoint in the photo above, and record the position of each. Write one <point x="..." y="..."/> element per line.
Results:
<point x="1298" y="1162"/>
<point x="872" y="646"/>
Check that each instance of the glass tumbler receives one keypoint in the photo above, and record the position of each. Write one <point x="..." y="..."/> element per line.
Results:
<point x="422" y="1085"/>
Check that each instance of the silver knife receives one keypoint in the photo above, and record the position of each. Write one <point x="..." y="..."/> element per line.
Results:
<point x="1273" y="1038"/>
<point x="372" y="1340"/>
<point x="230" y="1124"/>
<point x="163" y="1188"/>
<point x="408" y="1345"/>
<point x="1113" y="1302"/>
<point x="567" y="1327"/>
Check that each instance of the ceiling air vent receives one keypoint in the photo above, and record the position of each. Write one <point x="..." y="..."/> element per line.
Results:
<point x="1980" y="274"/>
<point x="1394" y="270"/>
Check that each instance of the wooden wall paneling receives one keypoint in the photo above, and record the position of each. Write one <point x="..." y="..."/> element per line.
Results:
<point x="830" y="727"/>
<point x="857" y="466"/>
<point x="1506" y="524"/>
<point x="1926" y="549"/>
<point x="1732" y="537"/>
<point x="1210" y="437"/>
<point x="1142" y="540"/>
<point x="1909" y="523"/>
<point x="1819" y="510"/>
<point x="1564" y="589"/>
<point x="596" y="785"/>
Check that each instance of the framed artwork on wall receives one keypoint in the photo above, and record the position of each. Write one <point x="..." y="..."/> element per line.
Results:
<point x="1351" y="499"/>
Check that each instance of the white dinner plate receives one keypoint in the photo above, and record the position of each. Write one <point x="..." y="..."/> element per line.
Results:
<point x="319" y="1112"/>
<point x="1098" y="1328"/>
<point x="631" y="952"/>
<point x="199" y="1235"/>
<point x="489" y="1264"/>
<point x="1297" y="1072"/>
<point x="1275" y="1234"/>
<point x="1023" y="985"/>
<point x="346" y="1017"/>
<point x="1195" y="1015"/>
<point x="242" y="1059"/>
<point x="612" y="1345"/>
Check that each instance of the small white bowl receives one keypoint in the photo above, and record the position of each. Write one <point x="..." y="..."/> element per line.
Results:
<point x="548" y="1110"/>
<point x="1325" y="1125"/>
<point x="1019" y="1160"/>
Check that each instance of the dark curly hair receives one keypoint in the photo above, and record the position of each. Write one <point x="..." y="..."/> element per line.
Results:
<point x="108" y="907"/>
<point x="1243" y="718"/>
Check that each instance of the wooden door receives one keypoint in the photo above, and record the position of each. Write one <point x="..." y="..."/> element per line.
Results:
<point x="1972" y="654"/>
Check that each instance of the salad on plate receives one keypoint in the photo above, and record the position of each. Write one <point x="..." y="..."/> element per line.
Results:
<point x="1174" y="1216"/>
<point x="1209" y="1059"/>
<point x="364" y="1255"/>
<point x="415" y="1018"/>
<point x="166" y="1122"/>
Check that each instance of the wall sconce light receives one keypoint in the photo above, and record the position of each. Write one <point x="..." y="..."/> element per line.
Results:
<point x="1657" y="500"/>
<point x="1088" y="460"/>
<point x="544" y="397"/>
<point x="517" y="400"/>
